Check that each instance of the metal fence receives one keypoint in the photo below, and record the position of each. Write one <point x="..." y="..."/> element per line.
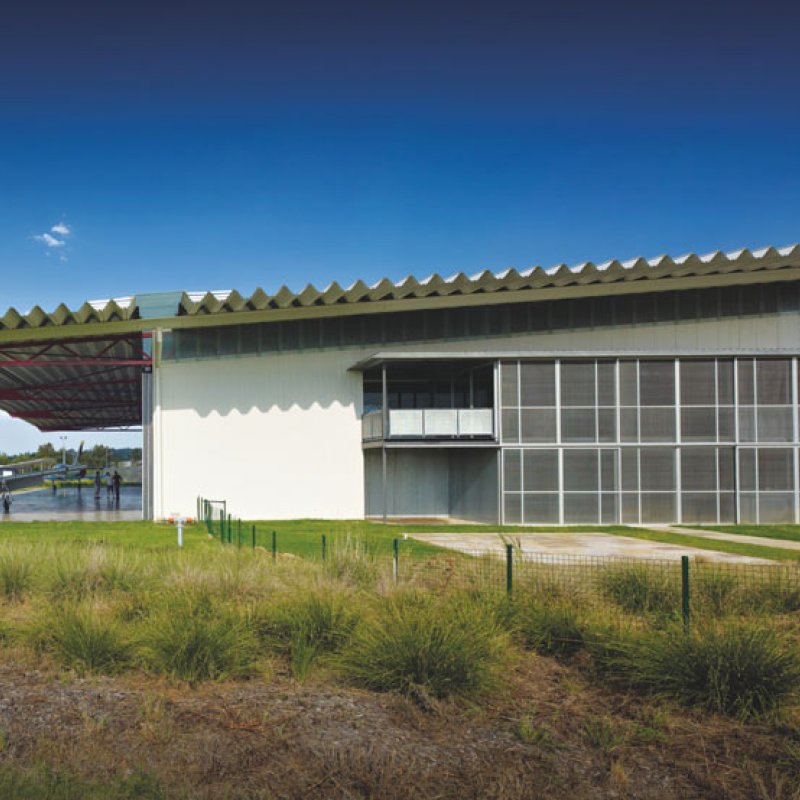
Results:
<point x="654" y="587"/>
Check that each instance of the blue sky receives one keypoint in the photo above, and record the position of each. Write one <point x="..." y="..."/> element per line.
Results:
<point x="210" y="146"/>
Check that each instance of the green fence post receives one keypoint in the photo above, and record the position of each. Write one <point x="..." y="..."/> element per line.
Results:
<point x="274" y="545"/>
<point x="324" y="547"/>
<point x="509" y="568"/>
<point x="222" y="526"/>
<point x="685" y="591"/>
<point x="395" y="558"/>
<point x="254" y="537"/>
<point x="229" y="528"/>
<point x="239" y="534"/>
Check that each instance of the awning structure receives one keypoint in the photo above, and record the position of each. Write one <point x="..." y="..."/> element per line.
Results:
<point x="83" y="383"/>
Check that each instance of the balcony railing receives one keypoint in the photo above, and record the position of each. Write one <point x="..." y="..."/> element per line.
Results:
<point x="430" y="423"/>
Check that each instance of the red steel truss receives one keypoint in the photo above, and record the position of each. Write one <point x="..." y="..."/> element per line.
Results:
<point x="89" y="382"/>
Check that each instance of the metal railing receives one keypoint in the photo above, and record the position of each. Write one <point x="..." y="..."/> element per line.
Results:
<point x="430" y="423"/>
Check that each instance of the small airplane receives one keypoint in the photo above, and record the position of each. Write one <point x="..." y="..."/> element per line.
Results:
<point x="24" y="474"/>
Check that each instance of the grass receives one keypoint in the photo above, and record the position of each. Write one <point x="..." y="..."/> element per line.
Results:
<point x="789" y="533"/>
<point x="43" y="783"/>
<point x="82" y="638"/>
<point x="196" y="639"/>
<point x="641" y="589"/>
<point x="743" y="670"/>
<point x="422" y="647"/>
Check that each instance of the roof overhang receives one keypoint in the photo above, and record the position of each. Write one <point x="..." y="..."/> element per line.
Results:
<point x="178" y="310"/>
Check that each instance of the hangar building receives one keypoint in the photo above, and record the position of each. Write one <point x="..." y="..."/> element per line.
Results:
<point x="662" y="390"/>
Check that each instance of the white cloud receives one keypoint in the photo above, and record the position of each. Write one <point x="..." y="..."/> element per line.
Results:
<point x="62" y="229"/>
<point x="49" y="240"/>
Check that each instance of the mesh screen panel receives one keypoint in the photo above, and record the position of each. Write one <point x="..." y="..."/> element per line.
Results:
<point x="577" y="383"/>
<point x="657" y="383"/>
<point x="628" y="383"/>
<point x="509" y="419"/>
<point x="512" y="470"/>
<point x="508" y="385"/>
<point x="657" y="468"/>
<point x="581" y="471"/>
<point x="578" y="425"/>
<point x="606" y="383"/>
<point x="538" y="384"/>
<point x="540" y="470"/>
<point x="699" y="507"/>
<point x="773" y="381"/>
<point x="512" y="508"/>
<point x="775" y="507"/>
<point x="540" y="508"/>
<point x="698" y="424"/>
<point x="657" y="424"/>
<point x="725" y="381"/>
<point x="699" y="468"/>
<point x="658" y="507"/>
<point x="775" y="424"/>
<point x="581" y="508"/>
<point x="698" y="383"/>
<point x="775" y="469"/>
<point x="538" y="425"/>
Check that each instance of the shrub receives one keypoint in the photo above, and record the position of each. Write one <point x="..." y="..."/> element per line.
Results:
<point x="195" y="640"/>
<point x="550" y="629"/>
<point x="741" y="670"/>
<point x="422" y="646"/>
<point x="641" y="589"/>
<point x="83" y="640"/>
<point x="15" y="576"/>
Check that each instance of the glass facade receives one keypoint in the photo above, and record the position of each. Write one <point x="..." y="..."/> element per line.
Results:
<point x="649" y="440"/>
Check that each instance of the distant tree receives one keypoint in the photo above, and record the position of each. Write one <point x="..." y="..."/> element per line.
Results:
<point x="96" y="457"/>
<point x="47" y="450"/>
<point x="136" y="455"/>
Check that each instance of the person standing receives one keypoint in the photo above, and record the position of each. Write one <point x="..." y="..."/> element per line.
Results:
<point x="109" y="485"/>
<point x="7" y="499"/>
<point x="98" y="482"/>
<point x="117" y="480"/>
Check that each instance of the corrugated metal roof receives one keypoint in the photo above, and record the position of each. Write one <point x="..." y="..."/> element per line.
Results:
<point x="611" y="274"/>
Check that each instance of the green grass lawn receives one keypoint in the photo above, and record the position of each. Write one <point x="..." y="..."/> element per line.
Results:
<point x="304" y="537"/>
<point x="789" y="533"/>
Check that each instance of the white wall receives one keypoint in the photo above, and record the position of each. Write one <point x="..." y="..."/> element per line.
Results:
<point x="278" y="436"/>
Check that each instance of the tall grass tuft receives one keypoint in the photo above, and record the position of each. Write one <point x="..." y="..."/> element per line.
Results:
<point x="551" y="629"/>
<point x="353" y="561"/>
<point x="15" y="576"/>
<point x="84" y="639"/>
<point x="195" y="639"/>
<point x="741" y="670"/>
<point x="641" y="589"/>
<point x="421" y="646"/>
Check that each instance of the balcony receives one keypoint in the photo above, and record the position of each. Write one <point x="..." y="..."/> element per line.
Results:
<point x="430" y="423"/>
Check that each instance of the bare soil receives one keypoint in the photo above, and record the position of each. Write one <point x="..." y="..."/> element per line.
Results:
<point x="552" y="734"/>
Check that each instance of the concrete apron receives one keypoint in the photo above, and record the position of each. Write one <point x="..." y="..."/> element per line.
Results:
<point x="578" y="544"/>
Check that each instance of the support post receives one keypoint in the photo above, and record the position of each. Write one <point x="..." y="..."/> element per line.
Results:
<point x="685" y="591"/>
<point x="274" y="545"/>
<point x="509" y="569"/>
<point x="254" y="537"/>
<point x="239" y="534"/>
<point x="222" y="526"/>
<point x="395" y="558"/>
<point x="324" y="547"/>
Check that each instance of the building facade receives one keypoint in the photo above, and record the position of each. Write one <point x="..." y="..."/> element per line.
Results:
<point x="639" y="392"/>
<point x="591" y="404"/>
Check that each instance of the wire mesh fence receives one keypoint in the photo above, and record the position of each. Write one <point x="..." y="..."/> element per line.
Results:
<point x="687" y="587"/>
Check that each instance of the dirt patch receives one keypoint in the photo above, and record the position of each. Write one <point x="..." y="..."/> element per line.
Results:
<point x="551" y="734"/>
